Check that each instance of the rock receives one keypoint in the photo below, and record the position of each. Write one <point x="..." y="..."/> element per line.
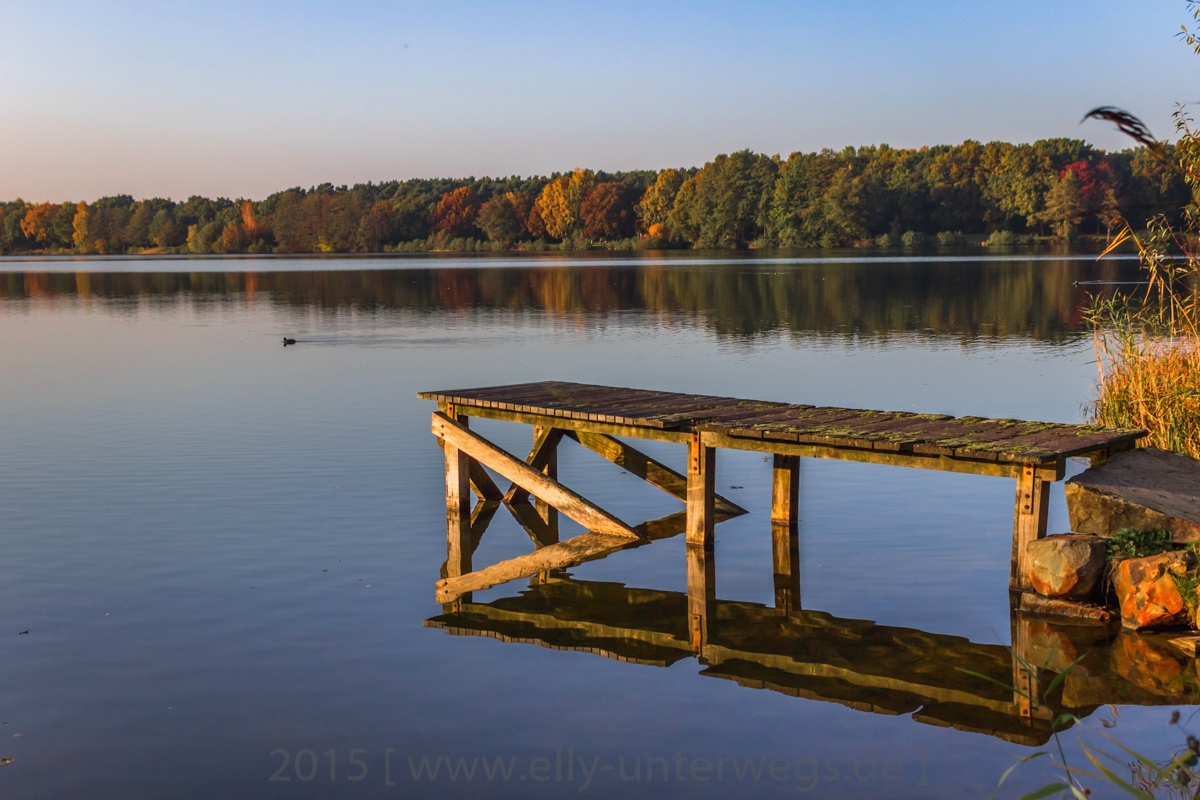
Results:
<point x="1067" y="565"/>
<point x="1143" y="488"/>
<point x="1147" y="590"/>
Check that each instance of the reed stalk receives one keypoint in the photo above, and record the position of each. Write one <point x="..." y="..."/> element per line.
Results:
<point x="1148" y="347"/>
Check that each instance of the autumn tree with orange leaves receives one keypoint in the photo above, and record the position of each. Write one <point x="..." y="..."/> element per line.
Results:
<point x="455" y="213"/>
<point x="559" y="202"/>
<point x="656" y="204"/>
<point x="36" y="223"/>
<point x="607" y="212"/>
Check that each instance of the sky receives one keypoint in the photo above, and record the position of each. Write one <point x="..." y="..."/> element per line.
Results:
<point x="241" y="99"/>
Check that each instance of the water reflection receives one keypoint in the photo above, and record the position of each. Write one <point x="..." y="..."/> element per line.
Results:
<point x="1038" y="299"/>
<point x="167" y="455"/>
<point x="868" y="667"/>
<point x="1013" y="693"/>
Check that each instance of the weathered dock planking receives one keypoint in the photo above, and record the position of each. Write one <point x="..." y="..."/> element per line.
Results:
<point x="1032" y="453"/>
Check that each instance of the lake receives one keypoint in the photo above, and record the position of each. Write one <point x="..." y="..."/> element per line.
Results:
<point x="219" y="554"/>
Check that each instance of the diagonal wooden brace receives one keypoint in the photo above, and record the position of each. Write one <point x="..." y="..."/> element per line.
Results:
<point x="539" y="456"/>
<point x="482" y="483"/>
<point x="648" y="469"/>
<point x="585" y="547"/>
<point x="586" y="513"/>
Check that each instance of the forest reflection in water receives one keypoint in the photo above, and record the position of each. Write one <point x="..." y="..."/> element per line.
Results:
<point x="1036" y="299"/>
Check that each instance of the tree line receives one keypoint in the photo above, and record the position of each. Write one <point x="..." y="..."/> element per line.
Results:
<point x="867" y="196"/>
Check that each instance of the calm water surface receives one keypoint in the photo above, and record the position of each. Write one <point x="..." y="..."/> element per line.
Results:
<point x="224" y="551"/>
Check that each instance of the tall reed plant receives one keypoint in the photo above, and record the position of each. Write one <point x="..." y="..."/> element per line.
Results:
<point x="1148" y="347"/>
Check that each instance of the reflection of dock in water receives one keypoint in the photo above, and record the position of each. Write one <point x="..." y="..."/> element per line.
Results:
<point x="857" y="663"/>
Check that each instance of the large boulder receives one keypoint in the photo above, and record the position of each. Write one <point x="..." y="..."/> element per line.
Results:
<point x="1068" y="565"/>
<point x="1143" y="488"/>
<point x="1147" y="591"/>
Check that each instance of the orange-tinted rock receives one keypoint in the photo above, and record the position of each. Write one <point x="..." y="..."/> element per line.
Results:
<point x="1066" y="565"/>
<point x="1147" y="590"/>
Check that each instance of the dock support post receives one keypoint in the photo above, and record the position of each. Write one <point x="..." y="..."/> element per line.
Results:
<point x="701" y="492"/>
<point x="702" y="595"/>
<point x="701" y="568"/>
<point x="459" y="542"/>
<point x="785" y="532"/>
<point x="1033" y="503"/>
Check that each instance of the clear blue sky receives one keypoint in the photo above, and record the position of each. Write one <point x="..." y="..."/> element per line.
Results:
<point x="244" y="98"/>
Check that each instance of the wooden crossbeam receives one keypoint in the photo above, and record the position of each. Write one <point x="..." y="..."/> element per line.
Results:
<point x="648" y="469"/>
<point x="586" y="513"/>
<point x="551" y="421"/>
<point x="1049" y="472"/>
<point x="531" y="520"/>
<point x="540" y="456"/>
<point x="556" y="556"/>
<point x="482" y="483"/>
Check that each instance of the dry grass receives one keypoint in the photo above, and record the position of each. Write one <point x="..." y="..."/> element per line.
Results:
<point x="1153" y="384"/>
<point x="1149" y="351"/>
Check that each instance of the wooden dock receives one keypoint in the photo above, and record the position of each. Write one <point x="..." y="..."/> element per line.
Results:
<point x="1032" y="453"/>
